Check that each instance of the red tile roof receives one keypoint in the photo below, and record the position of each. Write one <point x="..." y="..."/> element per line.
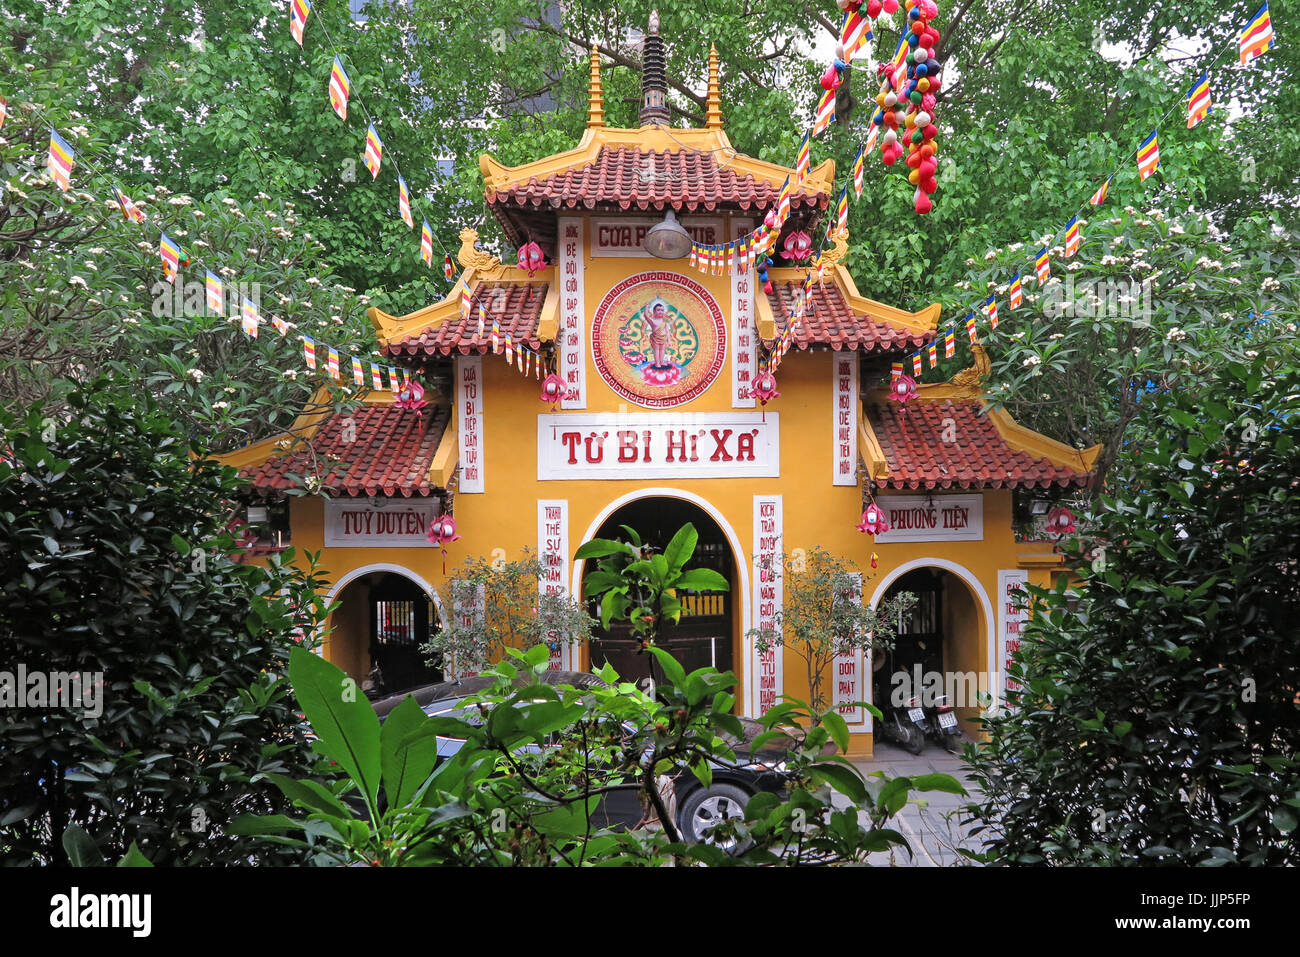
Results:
<point x="632" y="178"/>
<point x="391" y="455"/>
<point x="515" y="305"/>
<point x="831" y="322"/>
<point x="912" y="440"/>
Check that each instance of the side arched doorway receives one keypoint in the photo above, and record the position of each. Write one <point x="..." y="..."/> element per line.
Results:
<point x="941" y="645"/>
<point x="709" y="629"/>
<point x="382" y="621"/>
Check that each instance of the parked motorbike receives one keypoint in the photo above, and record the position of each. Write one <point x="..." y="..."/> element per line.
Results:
<point x="899" y="726"/>
<point x="942" y="725"/>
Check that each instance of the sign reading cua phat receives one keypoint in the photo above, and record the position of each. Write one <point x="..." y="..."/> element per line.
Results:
<point x="379" y="522"/>
<point x="938" y="518"/>
<point x="655" y="445"/>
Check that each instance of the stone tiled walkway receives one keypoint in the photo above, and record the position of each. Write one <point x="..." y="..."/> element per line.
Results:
<point x="931" y="821"/>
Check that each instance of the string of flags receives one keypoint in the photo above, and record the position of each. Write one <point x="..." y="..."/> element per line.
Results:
<point x="61" y="159"/>
<point x="1253" y="40"/>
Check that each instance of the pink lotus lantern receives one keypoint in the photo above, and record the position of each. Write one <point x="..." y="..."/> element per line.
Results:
<point x="531" y="258"/>
<point x="873" y="521"/>
<point x="411" y="397"/>
<point x="1060" y="521"/>
<point x="442" y="532"/>
<point x="764" y="387"/>
<point x="902" y="389"/>
<point x="798" y="246"/>
<point x="553" y="390"/>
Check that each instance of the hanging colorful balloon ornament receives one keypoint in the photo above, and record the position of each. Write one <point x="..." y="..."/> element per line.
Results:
<point x="873" y="521"/>
<point x="440" y="534"/>
<point x="763" y="277"/>
<point x="532" y="259"/>
<point x="553" y="389"/>
<point x="1060" y="522"/>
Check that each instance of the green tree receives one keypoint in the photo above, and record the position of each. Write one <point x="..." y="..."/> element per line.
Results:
<point x="493" y="606"/>
<point x="116" y="563"/>
<point x="822" y="615"/>
<point x="1156" y="722"/>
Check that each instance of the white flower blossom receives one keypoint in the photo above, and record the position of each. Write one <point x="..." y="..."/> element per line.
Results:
<point x="91" y="266"/>
<point x="1032" y="361"/>
<point x="180" y="201"/>
<point x="1270" y="284"/>
<point x="195" y="374"/>
<point x="313" y="281"/>
<point x="228" y="201"/>
<point x="291" y="373"/>
<point x="220" y="405"/>
<point x="1251" y="354"/>
<point x="73" y="281"/>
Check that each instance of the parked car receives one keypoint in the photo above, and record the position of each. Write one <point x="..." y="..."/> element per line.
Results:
<point x="699" y="809"/>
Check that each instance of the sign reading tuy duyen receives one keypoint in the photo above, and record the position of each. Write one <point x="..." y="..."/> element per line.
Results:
<point x="379" y="522"/>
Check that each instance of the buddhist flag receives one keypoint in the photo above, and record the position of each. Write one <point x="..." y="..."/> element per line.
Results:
<point x="130" y="210"/>
<point x="857" y="172"/>
<point x="949" y="343"/>
<point x="482" y="321"/>
<point x="4" y="111"/>
<point x="375" y="382"/>
<point x="332" y="361"/>
<point x="426" y="244"/>
<point x="171" y="257"/>
<point x="404" y="202"/>
<point x="899" y="62"/>
<point x="1072" y="238"/>
<point x="279" y="325"/>
<point x="1257" y="37"/>
<point x="970" y="327"/>
<point x="854" y="32"/>
<point x="60" y="161"/>
<point x="309" y="351"/>
<point x="695" y="260"/>
<point x="783" y="202"/>
<point x="464" y="302"/>
<point x="916" y="364"/>
<point x="448" y="270"/>
<point x="1148" y="156"/>
<point x="216" y="293"/>
<point x="991" y="310"/>
<point x="895" y="370"/>
<point x="1016" y="297"/>
<point x="1042" y="266"/>
<point x="731" y="258"/>
<point x="934" y="354"/>
<point x="496" y="336"/>
<point x="358" y="376"/>
<point x="340" y="87"/>
<point x="1099" y="197"/>
<point x="803" y="160"/>
<point x="872" y="135"/>
<point x="842" y="212"/>
<point x="249" y="318"/>
<point x="510" y="349"/>
<point x="1198" y="101"/>
<point x="825" y="112"/>
<point x="299" y="10"/>
<point x="374" y="151"/>
<point x="392" y="380"/>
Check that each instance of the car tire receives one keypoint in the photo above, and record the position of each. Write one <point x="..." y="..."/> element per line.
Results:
<point x="705" y="808"/>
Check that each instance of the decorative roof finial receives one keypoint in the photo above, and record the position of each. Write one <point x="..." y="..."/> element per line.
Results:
<point x="654" y="81"/>
<point x="595" y="97"/>
<point x="713" y="106"/>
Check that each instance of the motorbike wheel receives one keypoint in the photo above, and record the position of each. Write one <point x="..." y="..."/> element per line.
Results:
<point x="913" y="739"/>
<point x="952" y="743"/>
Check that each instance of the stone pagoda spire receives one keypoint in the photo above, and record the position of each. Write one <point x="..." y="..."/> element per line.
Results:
<point x="595" y="97"/>
<point x="713" y="105"/>
<point x="654" y="80"/>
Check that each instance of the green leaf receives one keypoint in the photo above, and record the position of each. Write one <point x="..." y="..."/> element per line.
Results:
<point x="673" y="672"/>
<point x="701" y="579"/>
<point x="348" y="729"/>
<point x="81" y="848"/>
<point x="601" y="547"/>
<point x="682" y="547"/>
<point x="133" y="858"/>
<point x="408" y="751"/>
<point x="838" y="729"/>
<point x="842" y="778"/>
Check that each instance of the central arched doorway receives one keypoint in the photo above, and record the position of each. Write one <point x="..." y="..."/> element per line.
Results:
<point x="708" y="630"/>
<point x="381" y="623"/>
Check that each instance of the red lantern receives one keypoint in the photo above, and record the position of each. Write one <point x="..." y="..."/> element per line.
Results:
<point x="873" y="521"/>
<point x="902" y="389"/>
<point x="411" y="397"/>
<point x="1060" y="521"/>
<point x="553" y="390"/>
<point x="764" y="387"/>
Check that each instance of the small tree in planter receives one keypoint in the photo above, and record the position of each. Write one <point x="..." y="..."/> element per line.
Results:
<point x="823" y="615"/>
<point x="492" y="606"/>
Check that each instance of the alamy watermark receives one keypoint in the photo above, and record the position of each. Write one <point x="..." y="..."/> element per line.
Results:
<point x="173" y="300"/>
<point x="53" y="689"/>
<point x="1099" y="299"/>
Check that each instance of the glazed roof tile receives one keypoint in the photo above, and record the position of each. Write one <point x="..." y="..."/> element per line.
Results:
<point x="391" y="455"/>
<point x="633" y="178"/>
<point x="978" y="457"/>
<point x="831" y="322"/>
<point x="517" y="306"/>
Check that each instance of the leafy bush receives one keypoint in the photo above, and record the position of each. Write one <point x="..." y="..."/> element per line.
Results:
<point x="114" y="561"/>
<point x="1158" y="722"/>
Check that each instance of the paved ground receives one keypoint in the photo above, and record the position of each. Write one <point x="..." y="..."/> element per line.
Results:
<point x="931" y="822"/>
